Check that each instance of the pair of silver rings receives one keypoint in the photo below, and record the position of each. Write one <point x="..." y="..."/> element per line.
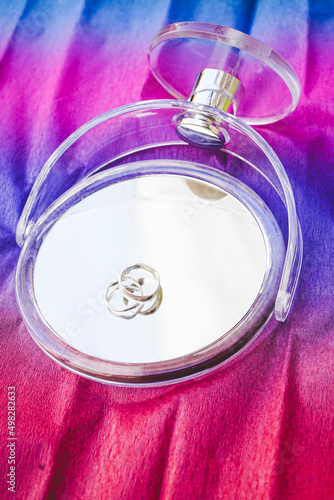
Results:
<point x="137" y="292"/>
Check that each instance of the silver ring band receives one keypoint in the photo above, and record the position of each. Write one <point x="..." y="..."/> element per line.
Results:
<point x="131" y="290"/>
<point x="128" y="293"/>
<point x="128" y="312"/>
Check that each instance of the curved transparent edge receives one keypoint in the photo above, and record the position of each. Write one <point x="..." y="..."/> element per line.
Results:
<point x="170" y="371"/>
<point x="280" y="182"/>
<point x="294" y="251"/>
<point x="236" y="39"/>
<point x="161" y="383"/>
<point x="26" y="222"/>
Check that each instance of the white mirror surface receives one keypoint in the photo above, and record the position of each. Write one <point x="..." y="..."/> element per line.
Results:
<point x="205" y="245"/>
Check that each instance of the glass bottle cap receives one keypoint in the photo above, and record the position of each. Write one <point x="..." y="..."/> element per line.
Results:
<point x="269" y="88"/>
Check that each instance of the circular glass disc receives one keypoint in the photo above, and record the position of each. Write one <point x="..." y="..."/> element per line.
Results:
<point x="179" y="52"/>
<point x="205" y="245"/>
<point x="150" y="272"/>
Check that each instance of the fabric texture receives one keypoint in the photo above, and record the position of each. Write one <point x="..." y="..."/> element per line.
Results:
<point x="260" y="428"/>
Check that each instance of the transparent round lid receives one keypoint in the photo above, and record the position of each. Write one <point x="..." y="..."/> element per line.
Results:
<point x="269" y="87"/>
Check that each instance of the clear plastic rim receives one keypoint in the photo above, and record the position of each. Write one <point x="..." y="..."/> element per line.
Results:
<point x="278" y="180"/>
<point x="236" y="39"/>
<point x="176" y="369"/>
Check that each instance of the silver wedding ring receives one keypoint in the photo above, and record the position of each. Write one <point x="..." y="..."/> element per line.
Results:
<point x="138" y="291"/>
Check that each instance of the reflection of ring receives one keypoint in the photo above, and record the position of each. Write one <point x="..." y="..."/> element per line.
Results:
<point x="132" y="294"/>
<point x="127" y="291"/>
<point x="155" y="306"/>
<point x="127" y="312"/>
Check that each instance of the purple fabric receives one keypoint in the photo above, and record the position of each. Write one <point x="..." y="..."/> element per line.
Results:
<point x="262" y="427"/>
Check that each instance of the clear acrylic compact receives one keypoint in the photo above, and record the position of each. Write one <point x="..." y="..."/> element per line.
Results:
<point x="150" y="254"/>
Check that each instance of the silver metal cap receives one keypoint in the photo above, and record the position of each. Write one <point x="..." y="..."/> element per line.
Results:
<point x="219" y="90"/>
